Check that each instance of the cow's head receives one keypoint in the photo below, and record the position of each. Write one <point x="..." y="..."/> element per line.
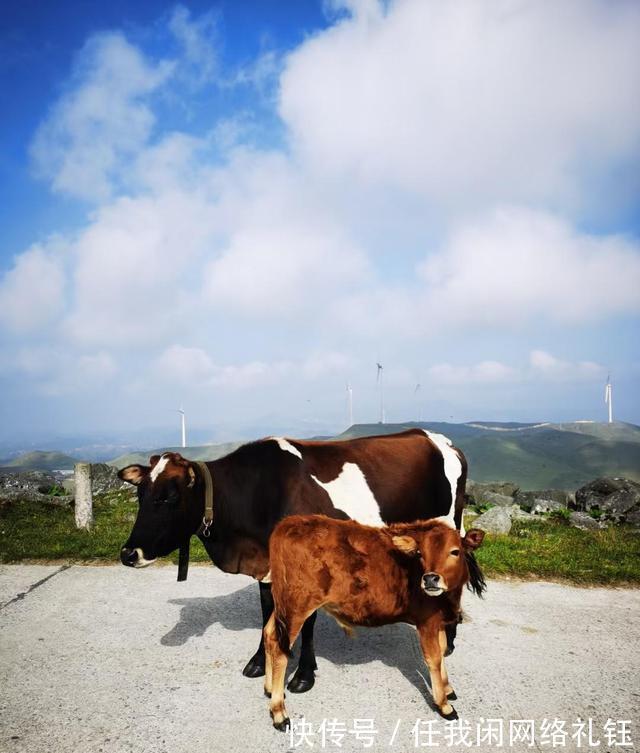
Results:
<point x="167" y="511"/>
<point x="441" y="550"/>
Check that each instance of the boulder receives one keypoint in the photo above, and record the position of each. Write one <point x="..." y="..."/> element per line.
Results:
<point x="585" y="521"/>
<point x="527" y="500"/>
<point x="542" y="506"/>
<point x="500" y="519"/>
<point x="476" y="490"/>
<point x="618" y="499"/>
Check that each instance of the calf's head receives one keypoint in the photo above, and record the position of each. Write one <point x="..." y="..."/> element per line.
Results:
<point x="167" y="512"/>
<point x="441" y="552"/>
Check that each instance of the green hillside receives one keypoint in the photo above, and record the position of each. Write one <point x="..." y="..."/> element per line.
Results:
<point x="199" y="452"/>
<point x="41" y="461"/>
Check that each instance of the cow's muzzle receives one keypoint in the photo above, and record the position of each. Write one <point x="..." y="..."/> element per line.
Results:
<point x="134" y="557"/>
<point x="432" y="584"/>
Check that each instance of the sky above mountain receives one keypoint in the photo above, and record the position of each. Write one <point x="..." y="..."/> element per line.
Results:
<point x="240" y="207"/>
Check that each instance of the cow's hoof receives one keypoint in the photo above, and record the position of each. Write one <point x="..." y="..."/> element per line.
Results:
<point x="267" y="693"/>
<point x="453" y="714"/>
<point x="449" y="649"/>
<point x="301" y="682"/>
<point x="452" y="696"/>
<point x="255" y="667"/>
<point x="284" y="725"/>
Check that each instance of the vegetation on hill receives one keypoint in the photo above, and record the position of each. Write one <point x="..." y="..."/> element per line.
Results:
<point x="40" y="461"/>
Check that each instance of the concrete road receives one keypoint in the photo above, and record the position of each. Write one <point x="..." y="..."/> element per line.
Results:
<point x="112" y="659"/>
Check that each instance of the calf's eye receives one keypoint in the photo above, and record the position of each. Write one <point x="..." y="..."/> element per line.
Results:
<point x="455" y="552"/>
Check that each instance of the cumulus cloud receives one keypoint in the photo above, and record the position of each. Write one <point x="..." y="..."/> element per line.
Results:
<point x="547" y="366"/>
<point x="210" y="262"/>
<point x="32" y="291"/>
<point x="515" y="265"/>
<point x="485" y="372"/>
<point x="194" y="367"/>
<point x="468" y="103"/>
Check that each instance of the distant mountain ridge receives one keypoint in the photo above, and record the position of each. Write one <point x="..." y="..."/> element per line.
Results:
<point x="39" y="460"/>
<point x="535" y="456"/>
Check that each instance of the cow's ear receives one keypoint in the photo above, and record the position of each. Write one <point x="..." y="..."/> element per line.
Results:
<point x="134" y="474"/>
<point x="406" y="544"/>
<point x="153" y="460"/>
<point x="473" y="539"/>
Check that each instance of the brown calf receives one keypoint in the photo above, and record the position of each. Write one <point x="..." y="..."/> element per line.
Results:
<point x="407" y="572"/>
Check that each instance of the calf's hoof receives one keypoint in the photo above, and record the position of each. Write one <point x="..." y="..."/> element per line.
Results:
<point x="254" y="667"/>
<point x="452" y="696"/>
<point x="267" y="693"/>
<point x="283" y="726"/>
<point x="301" y="682"/>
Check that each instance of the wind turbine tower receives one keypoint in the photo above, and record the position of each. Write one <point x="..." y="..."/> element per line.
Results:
<point x="381" y="388"/>
<point x="608" y="398"/>
<point x="184" y="428"/>
<point x="350" y="403"/>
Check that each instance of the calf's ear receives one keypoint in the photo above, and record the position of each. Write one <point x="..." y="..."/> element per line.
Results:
<point x="134" y="474"/>
<point x="473" y="538"/>
<point x="406" y="544"/>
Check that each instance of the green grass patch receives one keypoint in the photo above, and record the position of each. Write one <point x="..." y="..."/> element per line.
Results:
<point x="31" y="531"/>
<point x="555" y="550"/>
<point x="549" y="549"/>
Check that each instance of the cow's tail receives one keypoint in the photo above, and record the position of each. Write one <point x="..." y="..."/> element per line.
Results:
<point x="476" y="583"/>
<point x="282" y="634"/>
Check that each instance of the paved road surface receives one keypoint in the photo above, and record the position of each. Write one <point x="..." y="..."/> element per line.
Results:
<point x="112" y="659"/>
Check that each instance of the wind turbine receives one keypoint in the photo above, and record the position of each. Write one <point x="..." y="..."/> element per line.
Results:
<point x="350" y="403"/>
<point x="381" y="387"/>
<point x="184" y="428"/>
<point x="608" y="397"/>
<point x="417" y="398"/>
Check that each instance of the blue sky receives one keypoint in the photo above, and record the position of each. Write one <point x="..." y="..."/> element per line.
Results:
<point x="242" y="206"/>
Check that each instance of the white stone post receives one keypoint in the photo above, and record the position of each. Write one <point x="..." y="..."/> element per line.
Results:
<point x="84" y="500"/>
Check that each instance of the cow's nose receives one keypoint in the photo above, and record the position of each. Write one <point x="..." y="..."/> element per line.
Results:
<point x="128" y="556"/>
<point x="431" y="581"/>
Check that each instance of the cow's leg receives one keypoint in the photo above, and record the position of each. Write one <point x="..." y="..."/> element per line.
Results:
<point x="255" y="665"/>
<point x="448" y="690"/>
<point x="430" y="644"/>
<point x="277" y="670"/>
<point x="304" y="677"/>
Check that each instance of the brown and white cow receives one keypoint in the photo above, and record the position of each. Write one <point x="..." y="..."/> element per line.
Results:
<point x="412" y="572"/>
<point x="376" y="480"/>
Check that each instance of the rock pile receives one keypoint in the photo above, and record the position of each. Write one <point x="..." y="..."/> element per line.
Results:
<point x="599" y="503"/>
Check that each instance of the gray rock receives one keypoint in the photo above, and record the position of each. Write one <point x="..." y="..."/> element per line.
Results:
<point x="527" y="500"/>
<point x="617" y="498"/>
<point x="104" y="478"/>
<point x="495" y="520"/>
<point x="478" y="491"/>
<point x="585" y="521"/>
<point x="542" y="506"/>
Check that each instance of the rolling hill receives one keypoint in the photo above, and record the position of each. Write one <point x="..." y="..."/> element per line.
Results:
<point x="40" y="461"/>
<point x="535" y="456"/>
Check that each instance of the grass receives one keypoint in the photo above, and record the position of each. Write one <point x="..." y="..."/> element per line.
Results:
<point x="549" y="549"/>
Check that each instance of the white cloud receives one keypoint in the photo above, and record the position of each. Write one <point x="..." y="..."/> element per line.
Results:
<point x="32" y="291"/>
<point x="517" y="266"/>
<point x="485" y="372"/>
<point x="197" y="38"/>
<point x="547" y="366"/>
<point x="467" y="103"/>
<point x="101" y="121"/>
<point x="193" y="367"/>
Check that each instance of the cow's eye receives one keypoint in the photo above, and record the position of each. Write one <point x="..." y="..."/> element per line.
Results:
<point x="455" y="552"/>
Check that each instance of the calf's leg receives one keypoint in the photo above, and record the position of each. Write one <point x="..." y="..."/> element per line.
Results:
<point x="432" y="652"/>
<point x="277" y="669"/>
<point x="304" y="677"/>
<point x="255" y="665"/>
<point x="448" y="690"/>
